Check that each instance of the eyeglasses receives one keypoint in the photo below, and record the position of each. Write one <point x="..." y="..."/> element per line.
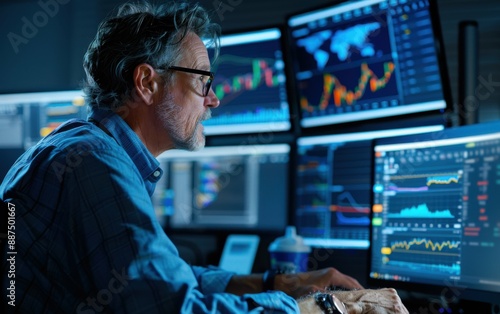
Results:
<point x="208" y="83"/>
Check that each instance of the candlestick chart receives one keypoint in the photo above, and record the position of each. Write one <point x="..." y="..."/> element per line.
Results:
<point x="251" y="89"/>
<point x="260" y="74"/>
<point x="250" y="83"/>
<point x="345" y="89"/>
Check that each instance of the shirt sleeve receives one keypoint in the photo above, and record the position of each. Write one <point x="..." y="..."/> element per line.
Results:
<point x="212" y="279"/>
<point x="126" y="262"/>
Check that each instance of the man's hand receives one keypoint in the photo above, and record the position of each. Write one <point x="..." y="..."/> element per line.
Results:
<point x="298" y="285"/>
<point x="381" y="301"/>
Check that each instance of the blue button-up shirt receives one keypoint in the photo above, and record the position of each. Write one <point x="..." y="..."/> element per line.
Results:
<point x="87" y="238"/>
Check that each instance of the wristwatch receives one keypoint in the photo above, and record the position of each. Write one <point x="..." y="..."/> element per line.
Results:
<point x="268" y="280"/>
<point x="330" y="304"/>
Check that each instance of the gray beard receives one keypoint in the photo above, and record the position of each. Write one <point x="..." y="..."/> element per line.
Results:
<point x="168" y="112"/>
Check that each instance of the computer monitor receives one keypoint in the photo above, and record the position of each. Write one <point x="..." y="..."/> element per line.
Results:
<point x="368" y="59"/>
<point x="250" y="82"/>
<point x="333" y="179"/>
<point x="436" y="212"/>
<point x="27" y="117"/>
<point x="241" y="187"/>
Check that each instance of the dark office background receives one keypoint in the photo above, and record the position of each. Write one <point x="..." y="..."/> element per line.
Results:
<point x="51" y="59"/>
<point x="43" y="42"/>
<point x="49" y="55"/>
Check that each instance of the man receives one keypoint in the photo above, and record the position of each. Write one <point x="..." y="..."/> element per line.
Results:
<point x="87" y="237"/>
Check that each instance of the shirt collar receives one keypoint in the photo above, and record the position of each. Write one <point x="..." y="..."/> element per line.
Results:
<point x="115" y="126"/>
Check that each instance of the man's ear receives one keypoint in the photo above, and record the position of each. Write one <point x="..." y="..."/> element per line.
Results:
<point x="146" y="83"/>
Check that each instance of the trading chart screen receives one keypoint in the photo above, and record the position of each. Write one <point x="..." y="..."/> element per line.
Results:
<point x="333" y="192"/>
<point x="27" y="117"/>
<point x="225" y="187"/>
<point x="250" y="83"/>
<point x="436" y="208"/>
<point x="368" y="59"/>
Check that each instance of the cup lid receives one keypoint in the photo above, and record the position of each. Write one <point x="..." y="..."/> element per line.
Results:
<point x="290" y="242"/>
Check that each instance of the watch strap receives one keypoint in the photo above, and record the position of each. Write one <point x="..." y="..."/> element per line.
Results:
<point x="268" y="280"/>
<point x="326" y="303"/>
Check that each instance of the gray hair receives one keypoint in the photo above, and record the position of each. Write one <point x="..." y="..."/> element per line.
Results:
<point x="140" y="33"/>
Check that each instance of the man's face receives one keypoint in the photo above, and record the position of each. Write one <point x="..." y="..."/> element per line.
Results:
<point x="184" y="106"/>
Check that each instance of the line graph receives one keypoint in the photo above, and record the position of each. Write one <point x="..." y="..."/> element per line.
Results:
<point x="433" y="209"/>
<point x="336" y="92"/>
<point x="396" y="188"/>
<point x="439" y="269"/>
<point x="441" y="175"/>
<point x="443" y="179"/>
<point x="424" y="181"/>
<point x="435" y="197"/>
<point x="429" y="180"/>
<point x="349" y="212"/>
<point x="423" y="244"/>
<point x="421" y="211"/>
<point x="434" y="255"/>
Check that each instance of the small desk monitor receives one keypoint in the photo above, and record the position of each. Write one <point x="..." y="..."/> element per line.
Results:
<point x="239" y="253"/>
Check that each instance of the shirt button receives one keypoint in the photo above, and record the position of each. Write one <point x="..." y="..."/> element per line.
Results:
<point x="156" y="173"/>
